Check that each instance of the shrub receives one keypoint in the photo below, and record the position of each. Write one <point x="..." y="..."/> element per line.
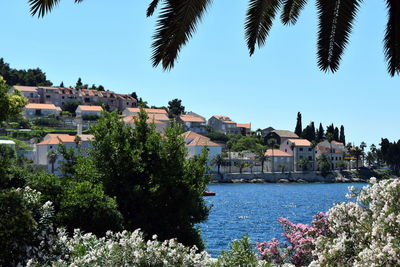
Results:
<point x="47" y="122"/>
<point x="90" y="117"/>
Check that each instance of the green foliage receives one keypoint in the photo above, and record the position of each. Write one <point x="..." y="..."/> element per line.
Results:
<point x="70" y="106"/>
<point x="241" y="165"/>
<point x="303" y="162"/>
<point x="30" y="77"/>
<point x="10" y="104"/>
<point x="246" y="143"/>
<point x="46" y="122"/>
<point x="17" y="223"/>
<point x="217" y="136"/>
<point x="90" y="117"/>
<point x="175" y="107"/>
<point x="240" y="254"/>
<point x="324" y="165"/>
<point x="157" y="189"/>
<point x="299" y="128"/>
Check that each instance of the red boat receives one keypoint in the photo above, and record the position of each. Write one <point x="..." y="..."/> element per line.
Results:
<point x="208" y="194"/>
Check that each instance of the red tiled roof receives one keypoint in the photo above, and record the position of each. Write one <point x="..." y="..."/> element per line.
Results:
<point x="195" y="139"/>
<point x="191" y="118"/>
<point x="133" y="118"/>
<point x="244" y="125"/>
<point x="90" y="108"/>
<point x="300" y="142"/>
<point x="42" y="106"/>
<point x="277" y="153"/>
<point x="56" y="139"/>
<point x="149" y="110"/>
<point x="26" y="88"/>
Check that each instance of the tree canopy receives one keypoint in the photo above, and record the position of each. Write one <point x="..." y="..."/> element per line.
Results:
<point x="30" y="77"/>
<point x="10" y="104"/>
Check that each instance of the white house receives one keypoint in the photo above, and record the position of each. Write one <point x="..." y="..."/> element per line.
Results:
<point x="52" y="142"/>
<point x="334" y="151"/>
<point x="85" y="110"/>
<point x="36" y="110"/>
<point x="278" y="160"/>
<point x="300" y="148"/>
<point x="195" y="143"/>
<point x="193" y="122"/>
<point x="134" y="111"/>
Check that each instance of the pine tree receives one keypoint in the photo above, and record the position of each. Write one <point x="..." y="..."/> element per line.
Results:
<point x="62" y="84"/>
<point x="298" y="129"/>
<point x="79" y="83"/>
<point x="342" y="137"/>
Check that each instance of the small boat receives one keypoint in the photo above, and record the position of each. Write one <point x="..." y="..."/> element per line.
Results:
<point x="208" y="194"/>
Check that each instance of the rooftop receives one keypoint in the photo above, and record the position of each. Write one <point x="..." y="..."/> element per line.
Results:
<point x="149" y="110"/>
<point x="195" y="139"/>
<point x="300" y="142"/>
<point x="42" y="106"/>
<point x="277" y="153"/>
<point x="191" y="118"/>
<point x="244" y="125"/>
<point x="285" y="133"/>
<point x="90" y="108"/>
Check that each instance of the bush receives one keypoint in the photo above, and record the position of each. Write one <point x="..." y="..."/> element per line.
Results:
<point x="90" y="117"/>
<point x="46" y="122"/>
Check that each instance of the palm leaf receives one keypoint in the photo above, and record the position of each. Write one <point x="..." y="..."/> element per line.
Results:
<point x="335" y="23"/>
<point x="291" y="10"/>
<point x="153" y="5"/>
<point x="259" y="18"/>
<point x="176" y="24"/>
<point x="42" y="7"/>
<point x="392" y="37"/>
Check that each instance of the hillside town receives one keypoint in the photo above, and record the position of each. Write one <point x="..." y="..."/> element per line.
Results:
<point x="283" y="151"/>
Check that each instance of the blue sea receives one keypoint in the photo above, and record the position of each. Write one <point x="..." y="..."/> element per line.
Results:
<point x="253" y="209"/>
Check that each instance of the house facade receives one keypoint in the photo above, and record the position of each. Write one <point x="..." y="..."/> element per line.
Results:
<point x="279" y="136"/>
<point x="52" y="142"/>
<point x="85" y="110"/>
<point x="37" y="110"/>
<point x="223" y="124"/>
<point x="160" y="125"/>
<point x="278" y="161"/>
<point x="192" y="122"/>
<point x="244" y="128"/>
<point x="30" y="92"/>
<point x="195" y="143"/>
<point x="334" y="151"/>
<point x="300" y="149"/>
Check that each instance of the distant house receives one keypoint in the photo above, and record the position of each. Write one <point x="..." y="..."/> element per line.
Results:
<point x="300" y="148"/>
<point x="84" y="110"/>
<point x="36" y="110"/>
<point x="278" y="158"/>
<point x="195" y="143"/>
<point x="192" y="122"/>
<point x="244" y="128"/>
<point x="30" y="92"/>
<point x="334" y="151"/>
<point x="52" y="142"/>
<point x="266" y="131"/>
<point x="134" y="111"/>
<point x="157" y="119"/>
<point x="280" y="136"/>
<point x="223" y="124"/>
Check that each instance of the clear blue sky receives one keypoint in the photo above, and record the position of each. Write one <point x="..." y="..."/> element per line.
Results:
<point x="108" y="42"/>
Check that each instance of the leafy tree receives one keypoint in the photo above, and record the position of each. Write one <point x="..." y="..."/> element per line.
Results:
<point x="324" y="165"/>
<point x="70" y="106"/>
<point x="246" y="143"/>
<point x="62" y="84"/>
<point x="151" y="178"/>
<point x="175" y="108"/>
<point x="177" y="22"/>
<point x="30" y="77"/>
<point x="10" y="104"/>
<point x="241" y="165"/>
<point x="303" y="163"/>
<point x="241" y="253"/>
<point x="282" y="167"/>
<point x="299" y="128"/>
<point x="342" y="137"/>
<point x="79" y="84"/>
<point x="101" y="88"/>
<point x="309" y="132"/>
<point x="217" y="136"/>
<point x="262" y="158"/>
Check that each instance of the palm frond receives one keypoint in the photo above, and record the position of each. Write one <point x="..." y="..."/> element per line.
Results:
<point x="336" y="19"/>
<point x="291" y="11"/>
<point x="176" y="24"/>
<point x="259" y="19"/>
<point x="153" y="5"/>
<point x="392" y="37"/>
<point x="42" y="7"/>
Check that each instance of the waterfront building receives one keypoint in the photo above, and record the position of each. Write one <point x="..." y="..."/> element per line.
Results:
<point x="37" y="110"/>
<point x="223" y="124"/>
<point x="195" y="143"/>
<point x="192" y="122"/>
<point x="280" y="136"/>
<point x="334" y="151"/>
<point x="278" y="160"/>
<point x="300" y="149"/>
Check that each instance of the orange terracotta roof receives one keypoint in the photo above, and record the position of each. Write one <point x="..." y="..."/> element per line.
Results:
<point x="191" y="118"/>
<point x="244" y="125"/>
<point x="337" y="143"/>
<point x="42" y="106"/>
<point x="300" y="142"/>
<point x="195" y="139"/>
<point x="325" y="149"/>
<point x="133" y="118"/>
<point x="26" y="88"/>
<point x="149" y="110"/>
<point x="277" y="153"/>
<point x="56" y="139"/>
<point x="225" y="119"/>
<point x="90" y="108"/>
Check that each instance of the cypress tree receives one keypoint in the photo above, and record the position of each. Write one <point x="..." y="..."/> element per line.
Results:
<point x="298" y="129"/>
<point x="62" y="84"/>
<point x="336" y="134"/>
<point x="342" y="137"/>
<point x="312" y="131"/>
<point x="321" y="133"/>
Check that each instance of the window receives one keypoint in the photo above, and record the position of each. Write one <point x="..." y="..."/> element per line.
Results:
<point x="309" y="149"/>
<point x="127" y="103"/>
<point x="301" y="157"/>
<point x="285" y="150"/>
<point x="51" y="147"/>
<point x="309" y="157"/>
<point x="336" y="158"/>
<point x="31" y="94"/>
<point x="300" y="149"/>
<point x="47" y="96"/>
<point x="287" y="142"/>
<point x="62" y="97"/>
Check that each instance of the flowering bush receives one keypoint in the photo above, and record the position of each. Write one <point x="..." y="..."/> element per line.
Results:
<point x="120" y="249"/>
<point x="300" y="242"/>
<point x="365" y="232"/>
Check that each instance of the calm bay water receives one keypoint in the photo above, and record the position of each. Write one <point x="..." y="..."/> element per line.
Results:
<point x="238" y="209"/>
